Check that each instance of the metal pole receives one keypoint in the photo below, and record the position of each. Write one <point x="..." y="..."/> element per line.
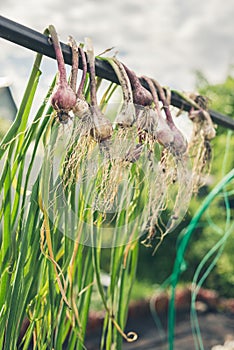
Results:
<point x="35" y="41"/>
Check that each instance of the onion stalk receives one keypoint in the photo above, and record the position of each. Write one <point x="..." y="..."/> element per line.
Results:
<point x="81" y="108"/>
<point x="126" y="116"/>
<point x="102" y="127"/>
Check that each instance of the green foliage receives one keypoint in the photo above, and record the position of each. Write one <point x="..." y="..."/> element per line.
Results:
<point x="46" y="274"/>
<point x="220" y="95"/>
<point x="212" y="225"/>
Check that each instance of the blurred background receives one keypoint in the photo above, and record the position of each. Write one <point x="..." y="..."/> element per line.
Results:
<point x="168" y="40"/>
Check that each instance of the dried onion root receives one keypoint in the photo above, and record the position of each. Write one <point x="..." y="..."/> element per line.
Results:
<point x="200" y="146"/>
<point x="123" y="150"/>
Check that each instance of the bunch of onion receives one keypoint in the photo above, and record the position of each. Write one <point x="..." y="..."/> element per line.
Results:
<point x="124" y="144"/>
<point x="100" y="130"/>
<point x="146" y="124"/>
<point x="90" y="129"/>
<point x="78" y="140"/>
<point x="136" y="95"/>
<point x="113" y="164"/>
<point x="170" y="173"/>
<point x="63" y="98"/>
<point x="159" y="131"/>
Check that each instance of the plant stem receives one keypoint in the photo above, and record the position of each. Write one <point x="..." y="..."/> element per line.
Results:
<point x="164" y="101"/>
<point x="124" y="81"/>
<point x="133" y="78"/>
<point x="84" y="64"/>
<point x="75" y="60"/>
<point x="91" y="60"/>
<point x="58" y="53"/>
<point x="154" y="94"/>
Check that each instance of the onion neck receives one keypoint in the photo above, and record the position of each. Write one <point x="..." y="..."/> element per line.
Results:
<point x="80" y="90"/>
<point x="58" y="54"/>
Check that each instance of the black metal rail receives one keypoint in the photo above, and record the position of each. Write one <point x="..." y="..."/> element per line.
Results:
<point x="38" y="42"/>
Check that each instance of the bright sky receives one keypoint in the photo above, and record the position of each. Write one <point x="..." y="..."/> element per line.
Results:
<point x="167" y="39"/>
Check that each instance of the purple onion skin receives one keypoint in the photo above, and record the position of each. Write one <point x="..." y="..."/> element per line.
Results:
<point x="141" y="96"/>
<point x="64" y="98"/>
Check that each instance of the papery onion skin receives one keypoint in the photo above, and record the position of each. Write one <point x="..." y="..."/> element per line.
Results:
<point x="126" y="116"/>
<point x="63" y="98"/>
<point x="81" y="108"/>
<point x="102" y="129"/>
